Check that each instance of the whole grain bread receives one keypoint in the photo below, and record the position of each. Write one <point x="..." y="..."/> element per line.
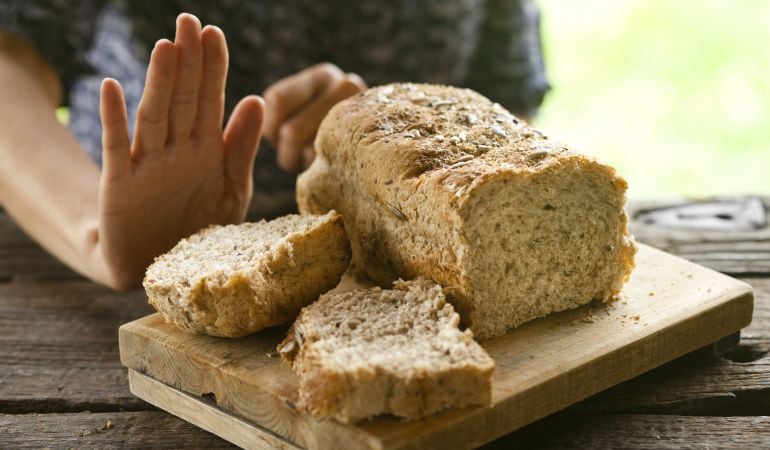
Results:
<point x="237" y="279"/>
<point x="440" y="182"/>
<point x="368" y="352"/>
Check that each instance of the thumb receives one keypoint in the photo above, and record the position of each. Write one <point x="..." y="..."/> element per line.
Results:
<point x="242" y="136"/>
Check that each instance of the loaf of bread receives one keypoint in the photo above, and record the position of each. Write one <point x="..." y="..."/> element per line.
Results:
<point x="440" y="182"/>
<point x="368" y="352"/>
<point x="237" y="279"/>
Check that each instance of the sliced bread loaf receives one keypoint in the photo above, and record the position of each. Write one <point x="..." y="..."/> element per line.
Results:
<point x="237" y="279"/>
<point x="440" y="182"/>
<point x="368" y="352"/>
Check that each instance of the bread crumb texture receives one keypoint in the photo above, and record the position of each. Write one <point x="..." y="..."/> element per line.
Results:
<point x="440" y="182"/>
<point x="237" y="279"/>
<point x="368" y="352"/>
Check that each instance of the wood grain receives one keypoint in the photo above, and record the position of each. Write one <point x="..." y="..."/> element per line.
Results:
<point x="631" y="431"/>
<point x="43" y="338"/>
<point x="59" y="333"/>
<point x="737" y="382"/>
<point x="670" y="307"/>
<point x="621" y="431"/>
<point x="738" y="250"/>
<point x="141" y="429"/>
<point x="154" y="429"/>
<point x="206" y="414"/>
<point x="22" y="259"/>
<point x="59" y="348"/>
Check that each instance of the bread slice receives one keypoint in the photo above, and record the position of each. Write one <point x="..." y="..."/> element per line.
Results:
<point x="368" y="352"/>
<point x="237" y="279"/>
<point x="440" y="182"/>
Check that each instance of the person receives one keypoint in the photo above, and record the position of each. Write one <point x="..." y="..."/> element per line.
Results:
<point x="168" y="166"/>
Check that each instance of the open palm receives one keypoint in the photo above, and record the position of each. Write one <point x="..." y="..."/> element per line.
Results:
<point x="181" y="171"/>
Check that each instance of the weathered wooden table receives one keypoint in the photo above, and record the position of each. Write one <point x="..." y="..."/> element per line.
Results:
<point x="62" y="384"/>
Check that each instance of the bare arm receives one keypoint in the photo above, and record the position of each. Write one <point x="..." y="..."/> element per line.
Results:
<point x="179" y="173"/>
<point x="47" y="182"/>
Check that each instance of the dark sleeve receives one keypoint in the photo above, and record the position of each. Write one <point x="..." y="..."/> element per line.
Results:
<point x="508" y="64"/>
<point x="60" y="30"/>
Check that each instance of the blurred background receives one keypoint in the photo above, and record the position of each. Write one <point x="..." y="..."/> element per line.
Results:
<point x="675" y="94"/>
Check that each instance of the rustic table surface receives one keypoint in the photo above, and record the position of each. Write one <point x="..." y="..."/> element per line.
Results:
<point x="62" y="384"/>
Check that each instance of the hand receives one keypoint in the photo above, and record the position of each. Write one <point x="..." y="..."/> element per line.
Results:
<point x="180" y="172"/>
<point x="295" y="107"/>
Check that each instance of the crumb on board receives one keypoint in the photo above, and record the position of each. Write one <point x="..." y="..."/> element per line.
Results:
<point x="98" y="430"/>
<point x="651" y="294"/>
<point x="624" y="317"/>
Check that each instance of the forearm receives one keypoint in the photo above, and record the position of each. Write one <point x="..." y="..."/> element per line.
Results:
<point x="48" y="185"/>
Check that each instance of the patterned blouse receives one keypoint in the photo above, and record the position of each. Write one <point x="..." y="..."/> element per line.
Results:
<point x="492" y="46"/>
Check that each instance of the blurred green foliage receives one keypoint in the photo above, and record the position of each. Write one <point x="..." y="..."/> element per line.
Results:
<point x="675" y="94"/>
<point x="63" y="115"/>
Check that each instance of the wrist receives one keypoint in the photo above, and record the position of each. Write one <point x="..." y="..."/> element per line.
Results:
<point x="107" y="269"/>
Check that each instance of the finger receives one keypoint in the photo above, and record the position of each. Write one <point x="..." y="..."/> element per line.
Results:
<point x="357" y="80"/>
<point x="152" y="114"/>
<point x="299" y="131"/>
<point x="288" y="95"/>
<point x="242" y="135"/>
<point x="116" y="148"/>
<point x="184" y="100"/>
<point x="308" y="155"/>
<point x="211" y="99"/>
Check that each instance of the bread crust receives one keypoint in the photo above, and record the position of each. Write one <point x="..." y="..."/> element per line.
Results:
<point x="404" y="162"/>
<point x="420" y="367"/>
<point x="270" y="291"/>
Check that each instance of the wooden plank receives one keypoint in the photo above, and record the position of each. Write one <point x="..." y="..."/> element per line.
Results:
<point x="226" y="369"/>
<point x="59" y="347"/>
<point x="22" y="259"/>
<point x="626" y="431"/>
<point x="669" y="308"/>
<point x="737" y="383"/>
<point x="691" y="385"/>
<point x="32" y="320"/>
<point x="142" y="429"/>
<point x="574" y="431"/>
<point x="737" y="242"/>
<point x="205" y="414"/>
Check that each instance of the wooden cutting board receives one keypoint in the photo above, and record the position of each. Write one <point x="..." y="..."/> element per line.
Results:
<point x="240" y="390"/>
